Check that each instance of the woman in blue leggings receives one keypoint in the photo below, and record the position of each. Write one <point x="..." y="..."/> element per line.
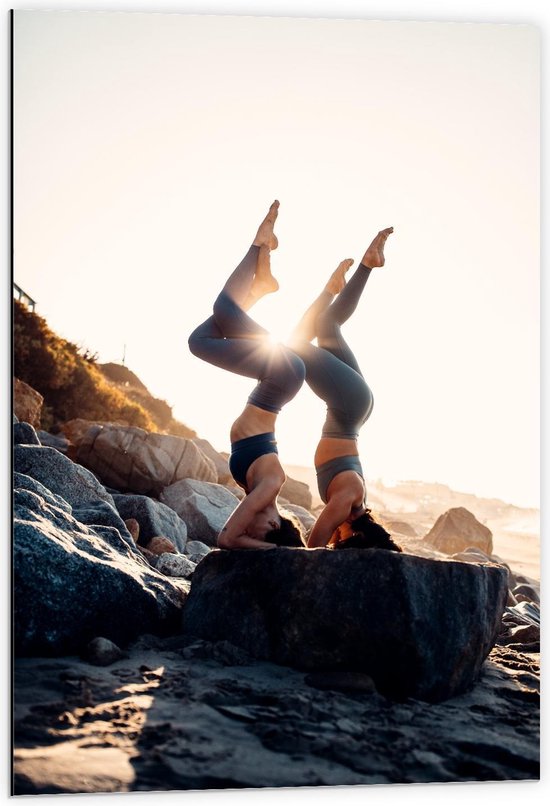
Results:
<point x="230" y="339"/>
<point x="333" y="374"/>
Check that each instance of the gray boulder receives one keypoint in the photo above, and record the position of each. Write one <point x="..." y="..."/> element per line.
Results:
<point x="56" y="472"/>
<point x="220" y="462"/>
<point x="175" y="565"/>
<point x="57" y="441"/>
<point x="203" y="506"/>
<point x="101" y="513"/>
<point x="306" y="518"/>
<point x="102" y="652"/>
<point x="420" y="628"/>
<point x="131" y="459"/>
<point x="24" y="434"/>
<point x="297" y="492"/>
<point x="196" y="550"/>
<point x="72" y="583"/>
<point x="523" y="613"/>
<point x="23" y="482"/>
<point x="154" y="518"/>
<point x="456" y="530"/>
<point x="526" y="593"/>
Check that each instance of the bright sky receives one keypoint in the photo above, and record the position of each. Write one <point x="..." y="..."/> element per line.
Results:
<point x="148" y="147"/>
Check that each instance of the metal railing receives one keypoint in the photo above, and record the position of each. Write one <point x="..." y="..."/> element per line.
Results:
<point x="23" y="297"/>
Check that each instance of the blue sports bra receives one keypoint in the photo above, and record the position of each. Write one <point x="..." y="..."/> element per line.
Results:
<point x="245" y="451"/>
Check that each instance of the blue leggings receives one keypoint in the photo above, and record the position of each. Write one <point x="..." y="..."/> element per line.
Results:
<point x="332" y="371"/>
<point x="230" y="339"/>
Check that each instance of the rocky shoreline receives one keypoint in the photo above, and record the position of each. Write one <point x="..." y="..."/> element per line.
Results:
<point x="148" y="659"/>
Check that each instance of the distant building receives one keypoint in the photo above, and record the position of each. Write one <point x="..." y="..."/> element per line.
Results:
<point x="19" y="294"/>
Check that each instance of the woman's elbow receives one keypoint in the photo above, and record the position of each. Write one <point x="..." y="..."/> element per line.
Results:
<point x="224" y="541"/>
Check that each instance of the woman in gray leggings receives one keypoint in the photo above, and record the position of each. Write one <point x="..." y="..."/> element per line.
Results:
<point x="333" y="374"/>
<point x="230" y="339"/>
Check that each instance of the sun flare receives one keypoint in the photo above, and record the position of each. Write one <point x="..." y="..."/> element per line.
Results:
<point x="278" y="335"/>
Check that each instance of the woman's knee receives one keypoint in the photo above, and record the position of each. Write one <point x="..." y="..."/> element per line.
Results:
<point x="221" y="304"/>
<point x="194" y="342"/>
<point x="201" y="337"/>
<point x="325" y="322"/>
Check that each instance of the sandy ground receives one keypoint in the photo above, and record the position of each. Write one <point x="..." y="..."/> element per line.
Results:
<point x="173" y="716"/>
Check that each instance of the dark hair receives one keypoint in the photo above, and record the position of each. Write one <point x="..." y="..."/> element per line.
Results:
<point x="289" y="534"/>
<point x="368" y="534"/>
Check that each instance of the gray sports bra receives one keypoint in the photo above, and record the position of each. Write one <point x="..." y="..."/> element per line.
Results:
<point x="328" y="470"/>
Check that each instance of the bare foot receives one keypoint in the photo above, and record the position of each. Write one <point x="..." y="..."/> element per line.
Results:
<point x="374" y="256"/>
<point x="264" y="282"/>
<point x="337" y="280"/>
<point x="265" y="235"/>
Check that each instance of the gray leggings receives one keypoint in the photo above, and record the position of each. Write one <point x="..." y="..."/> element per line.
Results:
<point x="332" y="371"/>
<point x="230" y="339"/>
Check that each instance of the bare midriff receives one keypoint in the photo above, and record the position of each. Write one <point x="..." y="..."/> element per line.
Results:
<point x="251" y="422"/>
<point x="333" y="447"/>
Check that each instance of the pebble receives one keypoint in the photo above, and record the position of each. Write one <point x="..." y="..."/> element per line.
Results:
<point x="102" y="652"/>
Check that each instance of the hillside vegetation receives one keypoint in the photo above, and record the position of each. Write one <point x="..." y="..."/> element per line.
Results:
<point x="73" y="384"/>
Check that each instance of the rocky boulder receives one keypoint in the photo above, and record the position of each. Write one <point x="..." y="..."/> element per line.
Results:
<point x="304" y="516"/>
<point x="101" y="513"/>
<point x="220" y="462"/>
<point x="55" y="471"/>
<point x="72" y="582"/>
<point x="154" y="518"/>
<point x="129" y="458"/>
<point x="27" y="403"/>
<point x="102" y="652"/>
<point x="24" y="434"/>
<point x="297" y="492"/>
<point x="526" y="593"/>
<point x="203" y="506"/>
<point x="175" y="565"/>
<point x="58" y="441"/>
<point x="420" y="628"/>
<point x="74" y="430"/>
<point x="400" y="527"/>
<point x="196" y="550"/>
<point x="456" y="530"/>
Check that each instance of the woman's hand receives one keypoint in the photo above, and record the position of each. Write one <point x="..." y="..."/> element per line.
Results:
<point x="242" y="542"/>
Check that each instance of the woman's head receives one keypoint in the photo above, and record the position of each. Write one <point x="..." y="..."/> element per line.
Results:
<point x="290" y="533"/>
<point x="365" y="533"/>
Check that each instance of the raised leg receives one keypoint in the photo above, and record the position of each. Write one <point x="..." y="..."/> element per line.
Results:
<point x="306" y="329"/>
<point x="264" y="282"/>
<point x="346" y="302"/>
<point x="329" y="334"/>
<point x="254" y="268"/>
<point x="250" y="281"/>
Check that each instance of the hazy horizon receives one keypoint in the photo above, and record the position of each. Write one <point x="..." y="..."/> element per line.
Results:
<point x="148" y="147"/>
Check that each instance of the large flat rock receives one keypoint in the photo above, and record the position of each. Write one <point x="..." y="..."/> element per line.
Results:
<point x="420" y="628"/>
